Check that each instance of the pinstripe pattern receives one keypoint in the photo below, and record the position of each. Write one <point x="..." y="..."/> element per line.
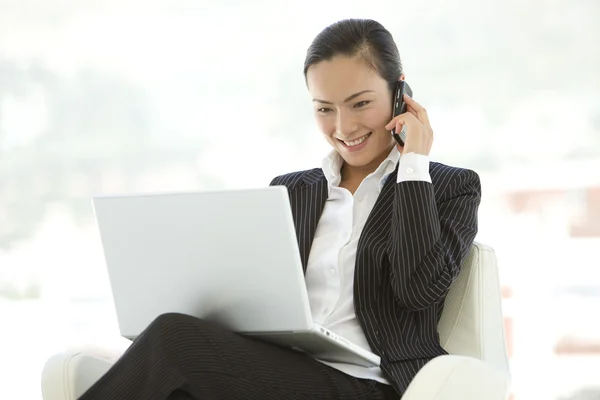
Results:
<point x="408" y="254"/>
<point x="182" y="357"/>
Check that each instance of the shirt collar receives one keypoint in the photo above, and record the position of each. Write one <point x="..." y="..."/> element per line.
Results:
<point x="332" y="165"/>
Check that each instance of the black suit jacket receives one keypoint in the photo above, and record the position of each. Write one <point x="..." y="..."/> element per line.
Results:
<point x="409" y="252"/>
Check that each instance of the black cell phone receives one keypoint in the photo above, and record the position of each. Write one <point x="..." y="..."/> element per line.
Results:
<point x="399" y="107"/>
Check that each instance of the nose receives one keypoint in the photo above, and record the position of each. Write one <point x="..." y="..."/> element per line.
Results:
<point x="345" y="124"/>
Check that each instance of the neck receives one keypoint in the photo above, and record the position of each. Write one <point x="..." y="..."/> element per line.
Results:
<point x="352" y="173"/>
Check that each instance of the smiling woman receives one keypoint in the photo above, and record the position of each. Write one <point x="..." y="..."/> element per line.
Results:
<point x="416" y="222"/>
<point x="351" y="69"/>
<point x="352" y="106"/>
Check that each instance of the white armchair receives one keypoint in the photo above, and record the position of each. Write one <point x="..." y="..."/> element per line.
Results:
<point x="471" y="330"/>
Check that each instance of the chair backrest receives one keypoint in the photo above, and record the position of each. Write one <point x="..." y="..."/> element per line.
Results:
<point x="472" y="323"/>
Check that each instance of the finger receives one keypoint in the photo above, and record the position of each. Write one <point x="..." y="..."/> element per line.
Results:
<point x="394" y="120"/>
<point x="411" y="110"/>
<point x="421" y="113"/>
<point x="402" y="119"/>
<point x="415" y="114"/>
<point x="398" y="127"/>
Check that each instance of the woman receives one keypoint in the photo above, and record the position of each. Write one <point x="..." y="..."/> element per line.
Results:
<point x="382" y="233"/>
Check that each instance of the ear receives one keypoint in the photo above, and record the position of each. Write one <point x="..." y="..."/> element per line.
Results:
<point x="402" y="77"/>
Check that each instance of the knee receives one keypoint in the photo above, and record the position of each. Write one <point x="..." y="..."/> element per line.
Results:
<point x="176" y="332"/>
<point x="174" y="322"/>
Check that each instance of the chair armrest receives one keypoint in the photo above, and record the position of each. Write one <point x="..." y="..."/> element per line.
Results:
<point x="66" y="376"/>
<point x="458" y="378"/>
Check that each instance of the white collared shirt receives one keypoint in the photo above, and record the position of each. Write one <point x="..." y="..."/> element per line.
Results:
<point x="330" y="270"/>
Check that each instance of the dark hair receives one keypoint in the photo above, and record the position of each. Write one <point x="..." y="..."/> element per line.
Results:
<point x="350" y="37"/>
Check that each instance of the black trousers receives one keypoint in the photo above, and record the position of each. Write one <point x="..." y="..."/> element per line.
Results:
<point x="182" y="357"/>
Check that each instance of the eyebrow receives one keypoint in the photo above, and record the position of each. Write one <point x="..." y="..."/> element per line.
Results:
<point x="347" y="99"/>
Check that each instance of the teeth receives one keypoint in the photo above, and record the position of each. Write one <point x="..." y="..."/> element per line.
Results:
<point x="357" y="141"/>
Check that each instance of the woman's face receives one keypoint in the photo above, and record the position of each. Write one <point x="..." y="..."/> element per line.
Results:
<point x="352" y="105"/>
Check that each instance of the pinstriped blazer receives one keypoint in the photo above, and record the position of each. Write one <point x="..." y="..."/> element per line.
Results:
<point x="409" y="252"/>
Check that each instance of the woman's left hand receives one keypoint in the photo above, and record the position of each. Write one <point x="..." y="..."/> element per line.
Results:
<point x="419" y="135"/>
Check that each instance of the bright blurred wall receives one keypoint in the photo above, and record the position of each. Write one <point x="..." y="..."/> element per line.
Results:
<point x="109" y="96"/>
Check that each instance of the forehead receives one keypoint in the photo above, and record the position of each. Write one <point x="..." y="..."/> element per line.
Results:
<point x="341" y="77"/>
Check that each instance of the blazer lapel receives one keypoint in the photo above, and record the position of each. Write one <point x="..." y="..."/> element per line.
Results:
<point x="307" y="202"/>
<point x="380" y="216"/>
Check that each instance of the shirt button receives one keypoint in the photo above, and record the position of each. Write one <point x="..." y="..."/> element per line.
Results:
<point x="409" y="170"/>
<point x="332" y="271"/>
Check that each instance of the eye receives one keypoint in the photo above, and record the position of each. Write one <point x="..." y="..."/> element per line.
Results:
<point x="361" y="104"/>
<point x="323" y="110"/>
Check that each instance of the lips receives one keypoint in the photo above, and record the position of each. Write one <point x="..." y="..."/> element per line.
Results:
<point x="357" y="141"/>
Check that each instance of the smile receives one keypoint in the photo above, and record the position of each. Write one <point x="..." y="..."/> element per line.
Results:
<point x="356" y="142"/>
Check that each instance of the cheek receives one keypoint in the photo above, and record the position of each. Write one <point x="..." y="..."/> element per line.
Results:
<point x="377" y="118"/>
<point x="326" y="125"/>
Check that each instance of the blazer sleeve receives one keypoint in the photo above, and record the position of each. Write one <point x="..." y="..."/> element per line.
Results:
<point x="431" y="237"/>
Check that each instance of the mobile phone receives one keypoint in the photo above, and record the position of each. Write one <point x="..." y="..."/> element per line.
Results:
<point x="399" y="107"/>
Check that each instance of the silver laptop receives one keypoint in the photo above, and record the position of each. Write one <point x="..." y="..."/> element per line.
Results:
<point x="230" y="257"/>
